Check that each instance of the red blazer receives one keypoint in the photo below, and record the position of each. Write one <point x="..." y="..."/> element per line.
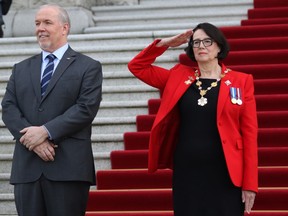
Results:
<point x="237" y="124"/>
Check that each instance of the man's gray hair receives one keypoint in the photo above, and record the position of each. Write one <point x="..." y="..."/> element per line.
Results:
<point x="63" y="14"/>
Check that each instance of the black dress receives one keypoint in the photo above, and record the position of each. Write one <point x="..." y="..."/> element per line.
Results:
<point x="201" y="183"/>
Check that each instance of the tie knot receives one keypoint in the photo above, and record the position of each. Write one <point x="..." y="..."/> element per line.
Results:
<point x="51" y="57"/>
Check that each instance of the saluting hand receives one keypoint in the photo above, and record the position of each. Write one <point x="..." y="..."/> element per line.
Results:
<point x="176" y="40"/>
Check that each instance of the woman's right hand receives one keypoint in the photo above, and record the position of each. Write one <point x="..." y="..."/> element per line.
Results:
<point x="176" y="40"/>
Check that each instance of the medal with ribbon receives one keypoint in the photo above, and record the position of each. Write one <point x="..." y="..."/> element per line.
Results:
<point x="236" y="96"/>
<point x="239" y="97"/>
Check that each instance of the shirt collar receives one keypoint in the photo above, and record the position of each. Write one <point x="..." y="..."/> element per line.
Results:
<point x="58" y="53"/>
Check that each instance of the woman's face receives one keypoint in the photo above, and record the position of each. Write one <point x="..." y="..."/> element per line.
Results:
<point x="204" y="48"/>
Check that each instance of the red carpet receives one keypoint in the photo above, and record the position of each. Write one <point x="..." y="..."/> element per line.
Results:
<point x="259" y="47"/>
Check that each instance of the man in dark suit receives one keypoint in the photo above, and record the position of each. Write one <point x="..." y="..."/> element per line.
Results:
<point x="53" y="165"/>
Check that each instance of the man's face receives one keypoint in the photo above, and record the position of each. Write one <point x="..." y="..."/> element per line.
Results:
<point x="51" y="33"/>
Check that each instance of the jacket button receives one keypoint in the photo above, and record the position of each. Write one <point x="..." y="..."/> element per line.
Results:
<point x="40" y="109"/>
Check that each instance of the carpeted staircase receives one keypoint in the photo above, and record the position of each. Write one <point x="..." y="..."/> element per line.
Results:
<point x="260" y="47"/>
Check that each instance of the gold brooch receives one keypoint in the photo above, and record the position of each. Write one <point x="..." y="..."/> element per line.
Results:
<point x="189" y="81"/>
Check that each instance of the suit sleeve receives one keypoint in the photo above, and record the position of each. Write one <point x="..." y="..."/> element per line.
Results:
<point x="81" y="114"/>
<point x="142" y="66"/>
<point x="11" y="114"/>
<point x="249" y="130"/>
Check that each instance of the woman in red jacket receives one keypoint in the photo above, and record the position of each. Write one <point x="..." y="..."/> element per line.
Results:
<point x="206" y="126"/>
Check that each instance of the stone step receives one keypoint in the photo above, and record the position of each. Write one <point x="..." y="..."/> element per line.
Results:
<point x="115" y="78"/>
<point x="120" y="78"/>
<point x="160" y="10"/>
<point x="88" y="40"/>
<point x="175" y="26"/>
<point x="101" y="157"/>
<point x="101" y="161"/>
<point x="132" y="92"/>
<point x="158" y="19"/>
<point x="110" y="65"/>
<point x="122" y="108"/>
<point x="111" y="107"/>
<point x="96" y="52"/>
<point x="109" y="78"/>
<point x="102" y="145"/>
<point x="190" y="2"/>
<point x="157" y="2"/>
<point x="100" y="142"/>
<point x="171" y="16"/>
<point x="117" y="94"/>
<point x="114" y="125"/>
<point x="7" y="205"/>
<point x="101" y="125"/>
<point x="5" y="186"/>
<point x="115" y="69"/>
<point x="121" y="93"/>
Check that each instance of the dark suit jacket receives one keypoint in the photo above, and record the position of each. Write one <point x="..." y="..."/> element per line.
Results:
<point x="237" y="124"/>
<point x="69" y="106"/>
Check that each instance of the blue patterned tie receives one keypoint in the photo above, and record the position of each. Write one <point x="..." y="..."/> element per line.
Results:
<point x="47" y="74"/>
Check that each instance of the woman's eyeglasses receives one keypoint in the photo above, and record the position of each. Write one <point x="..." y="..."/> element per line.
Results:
<point x="206" y="42"/>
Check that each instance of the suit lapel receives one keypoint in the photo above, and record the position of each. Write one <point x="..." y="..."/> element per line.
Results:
<point x="185" y="80"/>
<point x="181" y="85"/>
<point x="224" y="93"/>
<point x="35" y="69"/>
<point x="67" y="59"/>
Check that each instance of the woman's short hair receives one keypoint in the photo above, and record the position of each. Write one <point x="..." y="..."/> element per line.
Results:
<point x="214" y="33"/>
